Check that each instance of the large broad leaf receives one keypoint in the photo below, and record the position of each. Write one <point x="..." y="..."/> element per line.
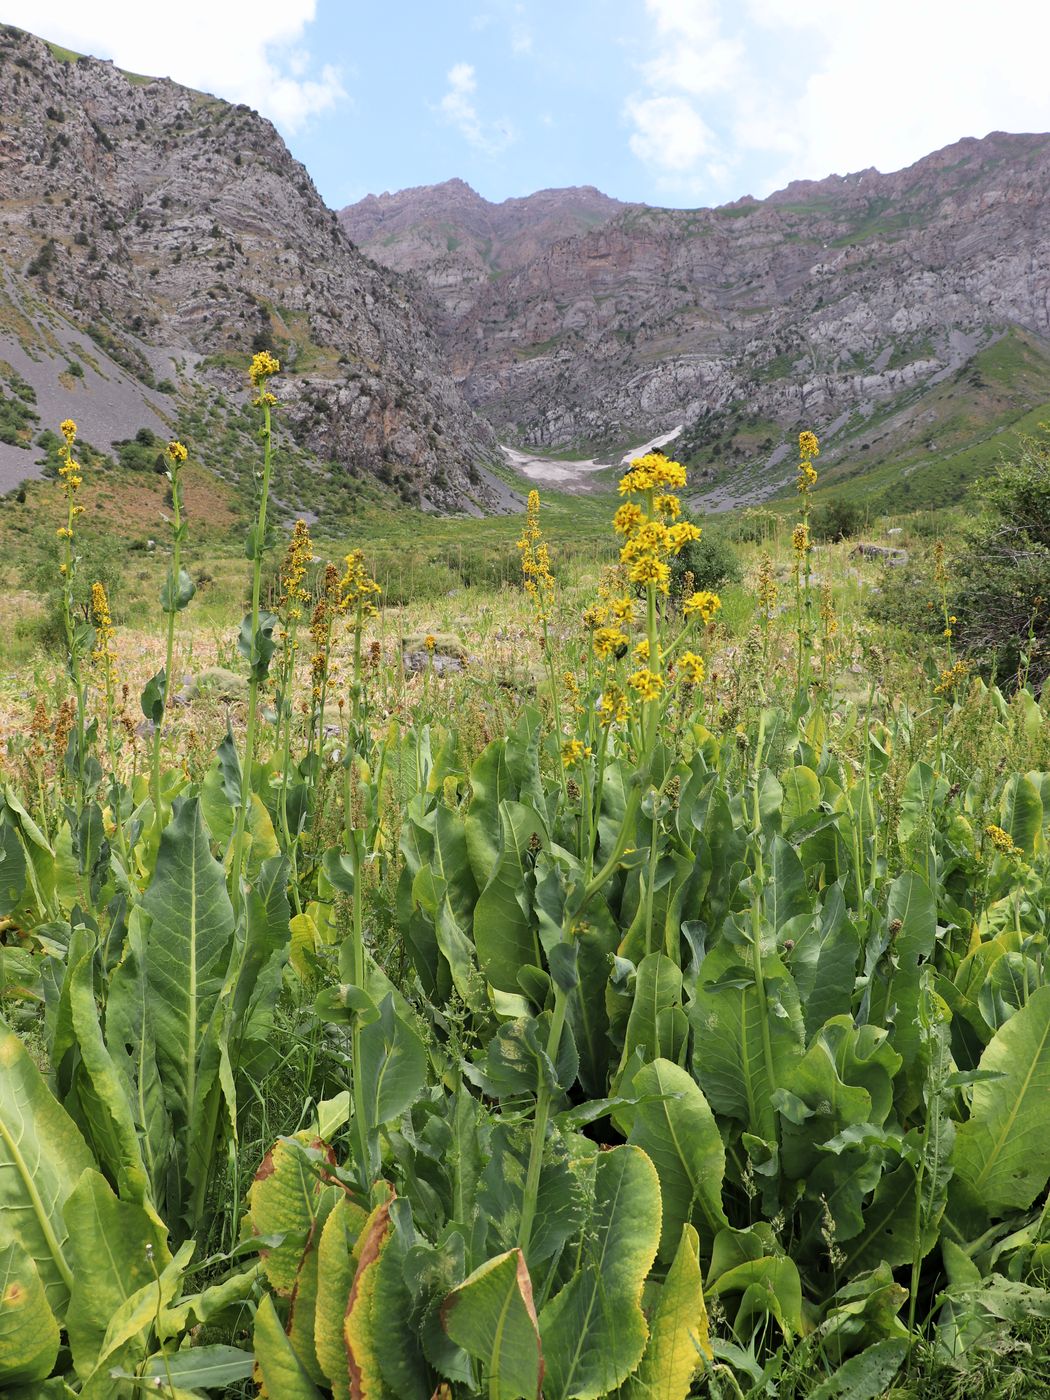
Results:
<point x="678" y="1331"/>
<point x="492" y="1316"/>
<point x="594" y="1331"/>
<point x="116" y="1250"/>
<point x="335" y="1269"/>
<point x="656" y="1024"/>
<point x="1002" y="1153"/>
<point x="282" y="1373"/>
<point x="866" y="1376"/>
<point x="362" y="1322"/>
<point x="131" y="1044"/>
<point x="504" y="930"/>
<point x="106" y="1112"/>
<point x="1022" y="813"/>
<point x="289" y="1198"/>
<point x="190" y="937"/>
<point x="42" y="1157"/>
<point x="824" y="961"/>
<point x="673" y="1124"/>
<point x="745" y="1044"/>
<point x="393" y="1065"/>
<point x="28" y="1330"/>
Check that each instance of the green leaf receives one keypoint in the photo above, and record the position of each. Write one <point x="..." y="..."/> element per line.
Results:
<point x="678" y="1330"/>
<point x="745" y="1045"/>
<point x="289" y="1198"/>
<point x="28" y="1331"/>
<point x="188" y="949"/>
<point x="393" y="1065"/>
<point x="1021" y="813"/>
<point x="109" y="1240"/>
<point x="492" y="1316"/>
<point x="504" y="930"/>
<point x="335" y="1271"/>
<point x="105" y="1108"/>
<point x="12" y="868"/>
<point x="673" y="1124"/>
<point x="867" y="1375"/>
<point x="205" y="1368"/>
<point x="1002" y="1153"/>
<point x="593" y="1331"/>
<point x="362" y="1322"/>
<point x="42" y="1157"/>
<point x="651" y="1025"/>
<point x="175" y="599"/>
<point x="824" y="962"/>
<point x="282" y="1372"/>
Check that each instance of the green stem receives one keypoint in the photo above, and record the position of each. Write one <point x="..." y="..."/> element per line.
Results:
<point x="539" y="1125"/>
<point x="254" y="679"/>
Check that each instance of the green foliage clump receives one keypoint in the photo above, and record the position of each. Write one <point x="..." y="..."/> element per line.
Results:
<point x="838" y="519"/>
<point x="711" y="560"/>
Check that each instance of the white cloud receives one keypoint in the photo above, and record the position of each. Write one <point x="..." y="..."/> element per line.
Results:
<point x="457" y="107"/>
<point x="247" y="51"/>
<point x="668" y="133"/>
<point x="804" y="88"/>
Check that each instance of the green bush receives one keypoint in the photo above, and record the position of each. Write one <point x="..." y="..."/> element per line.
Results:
<point x="838" y="519"/>
<point x="711" y="560"/>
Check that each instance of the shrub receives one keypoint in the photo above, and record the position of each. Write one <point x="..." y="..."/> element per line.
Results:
<point x="712" y="561"/>
<point x="838" y="519"/>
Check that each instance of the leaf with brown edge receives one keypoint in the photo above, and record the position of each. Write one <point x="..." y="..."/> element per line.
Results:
<point x="492" y="1316"/>
<point x="335" y="1270"/>
<point x="361" y="1322"/>
<point x="287" y="1198"/>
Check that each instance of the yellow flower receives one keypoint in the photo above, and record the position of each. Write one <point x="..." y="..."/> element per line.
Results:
<point x="608" y="641"/>
<point x="692" y="667"/>
<point x="808" y="445"/>
<point x="703" y="605"/>
<point x="623" y="610"/>
<point x="668" y="505"/>
<point x="297" y="560"/>
<point x="103" y="654"/>
<point x="536" y="573"/>
<point x="800" y="539"/>
<point x="1002" y="841"/>
<point x="647" y="683"/>
<point x="807" y="477"/>
<point x="628" y="519"/>
<point x="650" y="570"/>
<point x="356" y="587"/>
<point x="176" y="451"/>
<point x="612" y="707"/>
<point x="263" y="365"/>
<point x="430" y="641"/>
<point x="68" y="429"/>
<point x="573" y="751"/>
<point x="952" y="678"/>
<point x="678" y="536"/>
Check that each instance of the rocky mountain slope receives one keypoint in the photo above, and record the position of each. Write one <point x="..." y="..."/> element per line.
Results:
<point x="458" y="242"/>
<point x="152" y="237"/>
<point x="839" y="303"/>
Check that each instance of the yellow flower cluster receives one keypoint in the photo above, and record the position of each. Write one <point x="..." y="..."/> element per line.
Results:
<point x="613" y="707"/>
<point x="650" y="540"/>
<point x="574" y="751"/>
<point x="69" y="470"/>
<point x="1002" y="841"/>
<point x="951" y="678"/>
<point x="357" y="588"/>
<point x="651" y="472"/>
<point x="692" y="667"/>
<point x="800" y="541"/>
<point x="263" y="365"/>
<point x="535" y="560"/>
<point x="647" y="683"/>
<point x="703" y="605"/>
<point x="808" y="448"/>
<point x="297" y="560"/>
<point x="321" y="629"/>
<point x="103" y="654"/>
<point x="177" y="452"/>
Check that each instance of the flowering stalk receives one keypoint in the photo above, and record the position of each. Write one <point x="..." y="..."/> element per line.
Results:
<point x="256" y="641"/>
<point x="176" y="595"/>
<point x="70" y="475"/>
<point x="538" y="582"/>
<point x="290" y="609"/>
<point x="808" y="448"/>
<point x="105" y="660"/>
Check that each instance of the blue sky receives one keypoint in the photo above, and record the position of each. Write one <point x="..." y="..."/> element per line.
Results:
<point x="680" y="102"/>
